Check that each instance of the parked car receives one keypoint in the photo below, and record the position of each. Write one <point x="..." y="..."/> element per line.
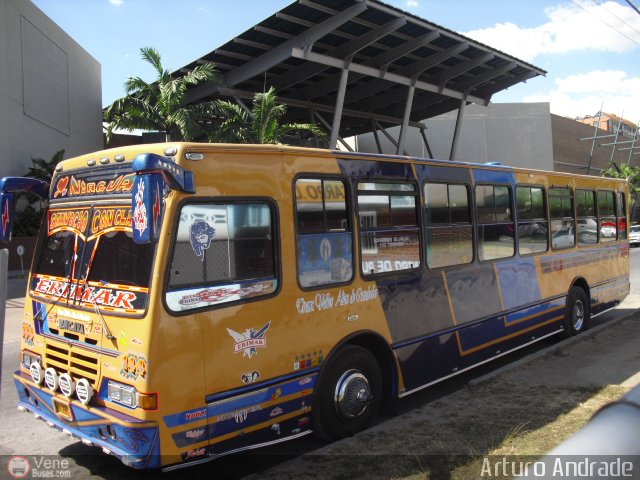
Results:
<point x="564" y="238"/>
<point x="634" y="236"/>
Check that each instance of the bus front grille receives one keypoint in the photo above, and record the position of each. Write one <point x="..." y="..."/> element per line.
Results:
<point x="75" y="362"/>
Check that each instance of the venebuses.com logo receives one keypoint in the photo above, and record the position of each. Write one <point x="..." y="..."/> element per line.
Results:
<point x="38" y="467"/>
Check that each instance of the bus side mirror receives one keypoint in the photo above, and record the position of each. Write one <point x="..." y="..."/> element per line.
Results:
<point x="147" y="207"/>
<point x="6" y="216"/>
<point x="8" y="185"/>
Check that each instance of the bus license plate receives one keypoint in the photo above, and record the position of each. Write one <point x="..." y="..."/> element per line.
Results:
<point x="63" y="409"/>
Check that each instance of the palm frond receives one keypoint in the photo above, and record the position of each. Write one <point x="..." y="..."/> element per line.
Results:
<point x="202" y="73"/>
<point x="152" y="56"/>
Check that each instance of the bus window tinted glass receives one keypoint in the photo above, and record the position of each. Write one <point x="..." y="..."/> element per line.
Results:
<point x="389" y="233"/>
<point x="533" y="224"/>
<point x="449" y="232"/>
<point x="228" y="248"/>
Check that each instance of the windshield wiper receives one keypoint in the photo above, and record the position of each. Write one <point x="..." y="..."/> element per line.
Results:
<point x="105" y="329"/>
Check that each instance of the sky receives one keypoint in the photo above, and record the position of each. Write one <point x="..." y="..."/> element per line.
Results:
<point x="590" y="48"/>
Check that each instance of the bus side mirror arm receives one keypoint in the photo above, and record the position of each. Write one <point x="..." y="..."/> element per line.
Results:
<point x="10" y="185"/>
<point x="154" y="173"/>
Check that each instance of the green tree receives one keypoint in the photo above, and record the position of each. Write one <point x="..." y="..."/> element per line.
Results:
<point x="262" y="125"/>
<point x="625" y="171"/>
<point x="160" y="106"/>
<point x="30" y="207"/>
<point x="632" y="173"/>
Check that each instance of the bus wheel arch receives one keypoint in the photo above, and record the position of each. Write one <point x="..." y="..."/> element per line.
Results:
<point x="351" y="387"/>
<point x="578" y="308"/>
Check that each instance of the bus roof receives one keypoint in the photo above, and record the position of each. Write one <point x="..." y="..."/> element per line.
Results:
<point x="126" y="154"/>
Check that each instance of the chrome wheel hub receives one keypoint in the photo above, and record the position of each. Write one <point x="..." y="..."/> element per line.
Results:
<point x="577" y="316"/>
<point x="352" y="394"/>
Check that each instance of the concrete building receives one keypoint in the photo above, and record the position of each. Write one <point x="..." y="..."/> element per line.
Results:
<point x="50" y="90"/>
<point x="516" y="134"/>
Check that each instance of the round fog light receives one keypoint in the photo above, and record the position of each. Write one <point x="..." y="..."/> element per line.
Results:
<point x="84" y="391"/>
<point x="51" y="379"/>
<point x="36" y="373"/>
<point x="67" y="385"/>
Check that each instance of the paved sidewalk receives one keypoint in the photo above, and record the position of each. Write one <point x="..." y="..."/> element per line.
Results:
<point x="16" y="290"/>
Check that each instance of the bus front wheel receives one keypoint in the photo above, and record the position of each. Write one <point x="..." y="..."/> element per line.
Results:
<point x="577" y="312"/>
<point x="348" y="393"/>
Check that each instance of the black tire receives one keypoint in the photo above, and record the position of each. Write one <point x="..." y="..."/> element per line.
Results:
<point x="576" y="316"/>
<point x="340" y="408"/>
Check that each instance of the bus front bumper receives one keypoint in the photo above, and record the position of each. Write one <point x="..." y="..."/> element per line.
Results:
<point x="134" y="442"/>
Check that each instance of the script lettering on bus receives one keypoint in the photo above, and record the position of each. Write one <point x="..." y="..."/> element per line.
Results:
<point x="106" y="218"/>
<point x="71" y="219"/>
<point x="87" y="294"/>
<point x="73" y="187"/>
<point x="325" y="301"/>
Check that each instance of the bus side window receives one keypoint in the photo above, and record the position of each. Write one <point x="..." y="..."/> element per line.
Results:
<point x="389" y="232"/>
<point x="222" y="253"/>
<point x="621" y="211"/>
<point x="587" y="220"/>
<point x="533" y="226"/>
<point x="449" y="229"/>
<point x="323" y="232"/>
<point x="495" y="222"/>
<point x="563" y="233"/>
<point x="607" y="222"/>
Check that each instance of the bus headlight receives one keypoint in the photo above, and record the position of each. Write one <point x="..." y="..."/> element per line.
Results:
<point x="123" y="394"/>
<point x="29" y="359"/>
<point x="128" y="396"/>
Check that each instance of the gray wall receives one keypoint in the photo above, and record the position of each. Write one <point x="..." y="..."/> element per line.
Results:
<point x="50" y="90"/>
<point x="516" y="134"/>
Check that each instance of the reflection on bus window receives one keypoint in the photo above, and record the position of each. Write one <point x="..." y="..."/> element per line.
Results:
<point x="563" y="233"/>
<point x="324" y="239"/>
<point x="227" y="248"/>
<point x="532" y="220"/>
<point x="586" y="213"/>
<point x="607" y="222"/>
<point x="449" y="232"/>
<point x="389" y="233"/>
<point x="495" y="222"/>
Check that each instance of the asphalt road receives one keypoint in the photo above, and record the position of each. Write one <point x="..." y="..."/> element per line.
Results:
<point x="21" y="434"/>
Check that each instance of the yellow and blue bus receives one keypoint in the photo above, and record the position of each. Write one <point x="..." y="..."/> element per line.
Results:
<point x="187" y="301"/>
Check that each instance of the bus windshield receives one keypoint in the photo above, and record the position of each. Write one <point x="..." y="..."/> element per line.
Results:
<point x="87" y="258"/>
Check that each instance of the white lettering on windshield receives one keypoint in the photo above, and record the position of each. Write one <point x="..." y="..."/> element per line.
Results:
<point x="98" y="296"/>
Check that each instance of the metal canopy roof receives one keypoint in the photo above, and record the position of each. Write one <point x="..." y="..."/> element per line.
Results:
<point x="359" y="66"/>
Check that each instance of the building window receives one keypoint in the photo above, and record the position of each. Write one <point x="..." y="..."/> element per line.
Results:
<point x="533" y="227"/>
<point x="389" y="232"/>
<point x="607" y="223"/>
<point x="449" y="230"/>
<point x="587" y="220"/>
<point x="563" y="234"/>
<point x="324" y="240"/>
<point x="495" y="222"/>
<point x="223" y="252"/>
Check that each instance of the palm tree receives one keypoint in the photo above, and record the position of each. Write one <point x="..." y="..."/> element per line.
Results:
<point x="262" y="125"/>
<point x="29" y="206"/>
<point x="160" y="106"/>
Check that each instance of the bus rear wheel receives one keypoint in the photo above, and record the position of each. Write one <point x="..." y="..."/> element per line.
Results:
<point x="348" y="393"/>
<point x="576" y="315"/>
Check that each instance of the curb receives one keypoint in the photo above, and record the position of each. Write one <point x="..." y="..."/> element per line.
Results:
<point x="589" y="333"/>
